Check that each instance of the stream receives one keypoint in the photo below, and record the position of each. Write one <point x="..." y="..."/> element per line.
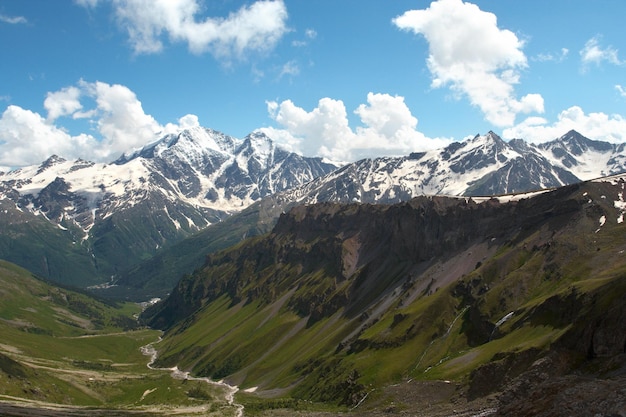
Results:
<point x="150" y="350"/>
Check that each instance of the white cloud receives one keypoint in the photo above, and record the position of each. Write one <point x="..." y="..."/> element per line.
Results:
<point x="63" y="102"/>
<point x="186" y="122"/>
<point x="545" y="57"/>
<point x="309" y="34"/>
<point x="86" y="3"/>
<point x="315" y="131"/>
<point x="26" y="138"/>
<point x="388" y="128"/>
<point x="118" y="116"/>
<point x="598" y="126"/>
<point x="255" y="27"/>
<point x="290" y="68"/>
<point x="621" y="90"/>
<point x="12" y="20"/>
<point x="593" y="53"/>
<point x="469" y="53"/>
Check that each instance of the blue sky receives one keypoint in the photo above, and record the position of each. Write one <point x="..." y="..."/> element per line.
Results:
<point x="339" y="79"/>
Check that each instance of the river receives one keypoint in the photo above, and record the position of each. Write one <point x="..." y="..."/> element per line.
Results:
<point x="150" y="350"/>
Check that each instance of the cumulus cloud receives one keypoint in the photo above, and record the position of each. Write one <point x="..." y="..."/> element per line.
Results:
<point x="255" y="27"/>
<point x="27" y="137"/>
<point x="598" y="126"/>
<point x="593" y="53"/>
<point x="469" y="53"/>
<point x="388" y="128"/>
<point x="621" y="90"/>
<point x="63" y="102"/>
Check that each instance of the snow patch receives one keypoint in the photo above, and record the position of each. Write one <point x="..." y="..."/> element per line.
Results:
<point x="620" y="204"/>
<point x="505" y="319"/>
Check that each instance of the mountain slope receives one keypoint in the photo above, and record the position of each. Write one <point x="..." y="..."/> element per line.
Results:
<point x="49" y="249"/>
<point x="119" y="214"/>
<point x="155" y="277"/>
<point x="585" y="158"/>
<point x="339" y="298"/>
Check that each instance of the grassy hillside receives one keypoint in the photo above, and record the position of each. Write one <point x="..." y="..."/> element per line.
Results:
<point x="156" y="276"/>
<point x="339" y="303"/>
<point x="47" y="250"/>
<point x="66" y="351"/>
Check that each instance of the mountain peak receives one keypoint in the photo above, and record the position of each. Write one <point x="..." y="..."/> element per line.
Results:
<point x="259" y="135"/>
<point x="190" y="143"/>
<point x="53" y="160"/>
<point x="492" y="136"/>
<point x="573" y="136"/>
<point x="578" y="144"/>
<point x="259" y="143"/>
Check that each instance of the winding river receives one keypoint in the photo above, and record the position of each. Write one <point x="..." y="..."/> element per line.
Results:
<point x="150" y="350"/>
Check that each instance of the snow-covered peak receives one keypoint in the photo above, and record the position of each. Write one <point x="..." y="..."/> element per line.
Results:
<point x="207" y="139"/>
<point x="585" y="158"/>
<point x="260" y="142"/>
<point x="258" y="146"/>
<point x="189" y="144"/>
<point x="489" y="141"/>
<point x="50" y="162"/>
<point x="478" y="154"/>
<point x="577" y="144"/>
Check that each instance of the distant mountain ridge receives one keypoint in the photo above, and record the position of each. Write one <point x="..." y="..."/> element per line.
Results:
<point x="112" y="216"/>
<point x="482" y="165"/>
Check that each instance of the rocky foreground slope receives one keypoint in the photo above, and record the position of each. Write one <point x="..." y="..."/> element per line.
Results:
<point x="512" y="298"/>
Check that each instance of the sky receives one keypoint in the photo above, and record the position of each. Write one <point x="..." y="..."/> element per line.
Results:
<point x="339" y="79"/>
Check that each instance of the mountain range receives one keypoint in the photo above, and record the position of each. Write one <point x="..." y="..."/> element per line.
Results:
<point x="485" y="276"/>
<point x="109" y="219"/>
<point x="110" y="216"/>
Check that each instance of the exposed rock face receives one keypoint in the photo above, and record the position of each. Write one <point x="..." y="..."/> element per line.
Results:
<point x="360" y="245"/>
<point x="547" y="390"/>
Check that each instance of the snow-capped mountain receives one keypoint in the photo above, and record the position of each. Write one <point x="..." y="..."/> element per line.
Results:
<point x="211" y="173"/>
<point x="152" y="197"/>
<point x="123" y="212"/>
<point x="482" y="165"/>
<point x="585" y="158"/>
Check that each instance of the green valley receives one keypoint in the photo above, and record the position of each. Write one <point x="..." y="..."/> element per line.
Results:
<point x="64" y="352"/>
